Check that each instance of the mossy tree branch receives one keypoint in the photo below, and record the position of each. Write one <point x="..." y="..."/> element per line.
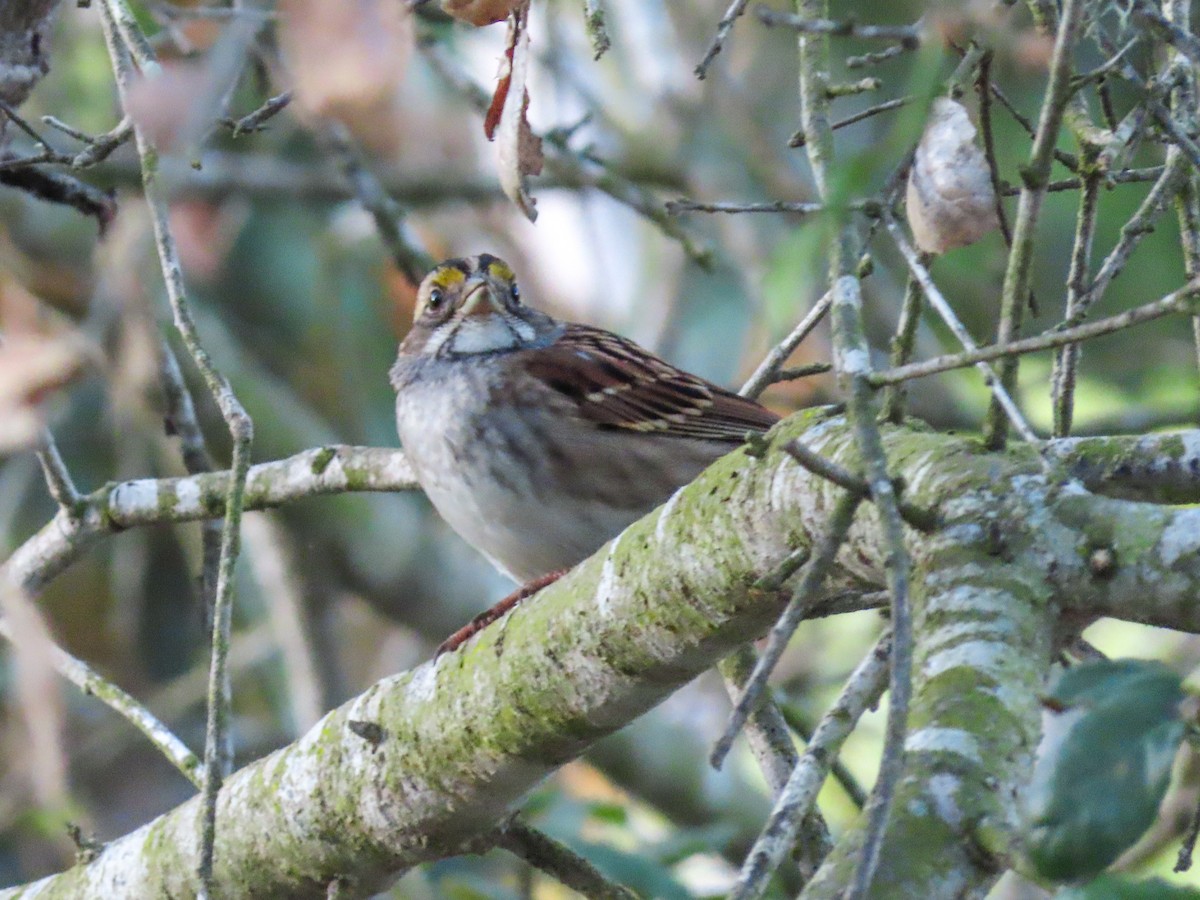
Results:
<point x="462" y="738"/>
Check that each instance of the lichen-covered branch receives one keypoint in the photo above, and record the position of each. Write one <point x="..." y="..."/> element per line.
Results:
<point x="115" y="507"/>
<point x="440" y="755"/>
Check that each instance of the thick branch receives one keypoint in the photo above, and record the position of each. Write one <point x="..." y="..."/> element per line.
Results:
<point x="438" y="756"/>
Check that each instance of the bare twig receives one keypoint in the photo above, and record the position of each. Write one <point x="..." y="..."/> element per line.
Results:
<point x="800" y="138"/>
<point x="724" y="27"/>
<point x="179" y="417"/>
<point x="95" y="685"/>
<point x="1066" y="361"/>
<point x="908" y="35"/>
<point x="824" y="552"/>
<point x="844" y="478"/>
<point x="802" y="724"/>
<point x="852" y="361"/>
<point x="386" y="212"/>
<point x="683" y="204"/>
<point x="794" y="372"/>
<point x="1168" y="185"/>
<point x="765" y="374"/>
<point x="862" y="690"/>
<point x="1178" y="302"/>
<point x="766" y="732"/>
<point x="902" y="345"/>
<point x="129" y="504"/>
<point x="938" y="302"/>
<point x="1125" y="176"/>
<point x="123" y="37"/>
<point x="255" y="121"/>
<point x="877" y="57"/>
<point x="1019" y="271"/>
<point x="559" y="861"/>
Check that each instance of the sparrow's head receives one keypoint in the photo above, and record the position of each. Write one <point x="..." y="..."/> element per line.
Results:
<point x="473" y="305"/>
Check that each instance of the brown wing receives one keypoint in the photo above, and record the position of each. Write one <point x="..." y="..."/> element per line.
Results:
<point x="616" y="384"/>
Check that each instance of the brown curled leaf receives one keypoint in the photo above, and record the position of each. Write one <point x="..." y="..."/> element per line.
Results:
<point x="518" y="149"/>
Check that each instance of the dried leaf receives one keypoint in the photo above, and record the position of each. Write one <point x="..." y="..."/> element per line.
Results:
<point x="518" y="149"/>
<point x="162" y="106"/>
<point x="950" y="201"/>
<point x="349" y="61"/>
<point x="31" y="368"/>
<point x="482" y="12"/>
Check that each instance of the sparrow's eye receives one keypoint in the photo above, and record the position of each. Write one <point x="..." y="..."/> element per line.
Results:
<point x="436" y="298"/>
<point x="515" y="293"/>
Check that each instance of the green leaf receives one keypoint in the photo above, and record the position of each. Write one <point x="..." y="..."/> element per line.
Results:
<point x="1109" y="888"/>
<point x="1103" y="766"/>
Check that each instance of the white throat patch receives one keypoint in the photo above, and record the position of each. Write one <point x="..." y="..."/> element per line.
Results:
<point x="487" y="334"/>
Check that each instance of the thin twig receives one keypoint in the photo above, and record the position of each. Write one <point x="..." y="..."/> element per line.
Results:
<point x="1169" y="184"/>
<point x="724" y="27"/>
<point x="852" y="361"/>
<point x="862" y="691"/>
<point x="938" y="302"/>
<point x="1066" y="361"/>
<point x="386" y="212"/>
<point x="1178" y="302"/>
<point x="908" y="35"/>
<point x="1125" y="176"/>
<point x="96" y="685"/>
<point x="800" y="138"/>
<point x="1018" y="274"/>
<point x="844" y="478"/>
<point x="1175" y="34"/>
<point x="983" y="84"/>
<point x="815" y="571"/>
<point x="902" y="346"/>
<point x="804" y="208"/>
<point x="767" y="370"/>
<point x="1183" y="861"/>
<point x="58" y="478"/>
<point x="123" y="37"/>
<point x="794" y="372"/>
<point x="802" y="725"/>
<point x="179" y="418"/>
<point x="559" y="861"/>
<point x="766" y="732"/>
<point x="877" y="57"/>
<point x="254" y="121"/>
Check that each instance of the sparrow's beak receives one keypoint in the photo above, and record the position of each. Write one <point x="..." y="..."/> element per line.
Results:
<point x="480" y="299"/>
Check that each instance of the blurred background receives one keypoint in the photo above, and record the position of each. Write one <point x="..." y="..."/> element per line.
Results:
<point x="301" y="303"/>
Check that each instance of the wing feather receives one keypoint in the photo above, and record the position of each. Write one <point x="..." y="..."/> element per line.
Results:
<point x="616" y="384"/>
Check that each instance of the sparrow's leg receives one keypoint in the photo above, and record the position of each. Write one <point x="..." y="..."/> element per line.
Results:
<point x="488" y="616"/>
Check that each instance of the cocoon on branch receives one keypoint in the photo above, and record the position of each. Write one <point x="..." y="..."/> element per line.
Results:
<point x="950" y="201"/>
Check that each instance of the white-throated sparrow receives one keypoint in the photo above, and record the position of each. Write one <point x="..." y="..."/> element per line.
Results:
<point x="539" y="440"/>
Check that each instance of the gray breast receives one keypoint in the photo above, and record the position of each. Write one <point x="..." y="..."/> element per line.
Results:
<point x="529" y="485"/>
